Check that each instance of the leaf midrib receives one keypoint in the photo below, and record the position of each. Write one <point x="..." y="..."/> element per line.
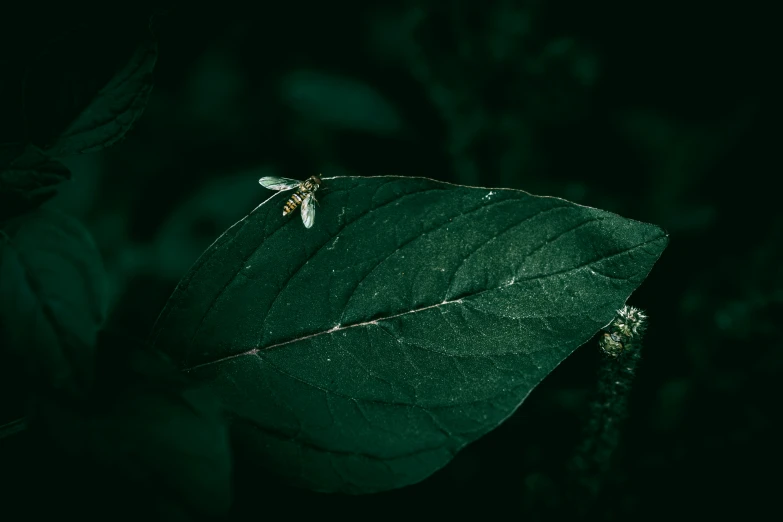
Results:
<point x="429" y="307"/>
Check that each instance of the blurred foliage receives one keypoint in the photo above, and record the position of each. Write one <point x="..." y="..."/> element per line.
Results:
<point x="666" y="112"/>
<point x="54" y="300"/>
<point x="148" y="441"/>
<point x="27" y="178"/>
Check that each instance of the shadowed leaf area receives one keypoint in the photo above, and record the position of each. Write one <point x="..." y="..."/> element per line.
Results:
<point x="27" y="179"/>
<point x="104" y="116"/>
<point x="75" y="87"/>
<point x="413" y="318"/>
<point x="147" y="440"/>
<point x="54" y="298"/>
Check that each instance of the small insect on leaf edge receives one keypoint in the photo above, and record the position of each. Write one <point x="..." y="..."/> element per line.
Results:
<point x="304" y="195"/>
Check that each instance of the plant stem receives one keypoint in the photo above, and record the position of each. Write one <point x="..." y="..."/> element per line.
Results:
<point x="608" y="409"/>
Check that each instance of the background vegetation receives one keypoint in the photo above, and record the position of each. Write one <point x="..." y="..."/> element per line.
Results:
<point x="666" y="112"/>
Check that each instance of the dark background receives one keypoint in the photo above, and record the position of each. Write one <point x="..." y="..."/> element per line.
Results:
<point x="664" y="112"/>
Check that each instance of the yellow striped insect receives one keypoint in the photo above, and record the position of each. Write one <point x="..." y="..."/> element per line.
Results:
<point x="304" y="195"/>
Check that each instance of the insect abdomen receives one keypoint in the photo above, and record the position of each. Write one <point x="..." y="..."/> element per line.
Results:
<point x="292" y="203"/>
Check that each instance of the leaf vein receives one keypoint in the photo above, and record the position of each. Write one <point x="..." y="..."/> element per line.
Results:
<point x="325" y="243"/>
<point x="537" y="277"/>
<point x="414" y="238"/>
<point x="484" y="243"/>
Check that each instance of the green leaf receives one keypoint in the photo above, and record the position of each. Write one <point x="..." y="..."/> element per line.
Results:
<point x="115" y="108"/>
<point x="414" y="317"/>
<point x="27" y="179"/>
<point x="54" y="298"/>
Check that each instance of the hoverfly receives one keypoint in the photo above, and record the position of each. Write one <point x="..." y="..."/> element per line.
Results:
<point x="304" y="195"/>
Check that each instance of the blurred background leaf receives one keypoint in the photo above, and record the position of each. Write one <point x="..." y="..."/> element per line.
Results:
<point x="28" y="178"/>
<point x="106" y="115"/>
<point x="338" y="102"/>
<point x="54" y="300"/>
<point x="147" y="443"/>
<point x="57" y="60"/>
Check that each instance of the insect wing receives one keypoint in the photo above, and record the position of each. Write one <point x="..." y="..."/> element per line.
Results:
<point x="275" y="183"/>
<point x="308" y="211"/>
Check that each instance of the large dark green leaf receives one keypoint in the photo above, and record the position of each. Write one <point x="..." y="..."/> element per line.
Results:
<point x="414" y="317"/>
<point x="53" y="297"/>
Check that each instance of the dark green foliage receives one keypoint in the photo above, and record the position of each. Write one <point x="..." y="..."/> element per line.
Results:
<point x="340" y="102"/>
<point x="28" y="178"/>
<point x="146" y="438"/>
<point x="78" y="86"/>
<point x="54" y="298"/>
<point x="663" y="112"/>
<point x="51" y="274"/>
<point x="413" y="318"/>
<point x="113" y="110"/>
